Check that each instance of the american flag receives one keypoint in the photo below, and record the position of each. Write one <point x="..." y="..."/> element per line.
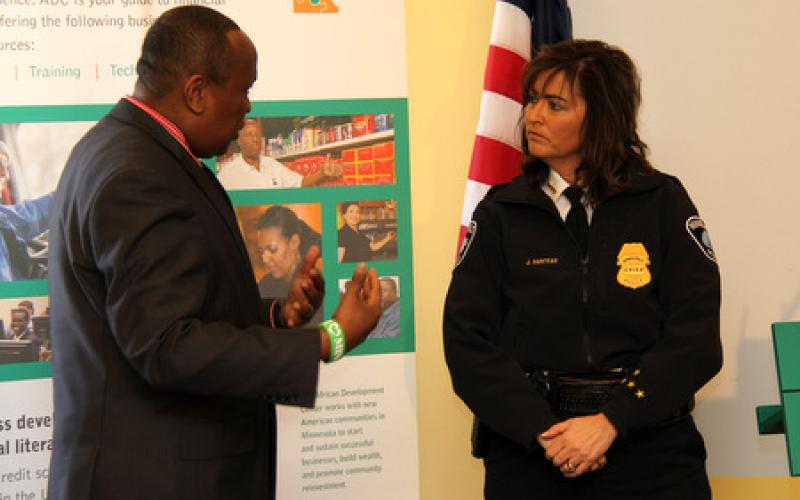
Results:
<point x="518" y="29"/>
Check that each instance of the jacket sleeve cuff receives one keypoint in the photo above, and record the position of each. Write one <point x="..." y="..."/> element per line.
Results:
<point x="618" y="420"/>
<point x="537" y="429"/>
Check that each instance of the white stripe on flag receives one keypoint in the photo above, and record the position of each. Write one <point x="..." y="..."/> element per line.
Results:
<point x="511" y="29"/>
<point x="499" y="118"/>
<point x="473" y="194"/>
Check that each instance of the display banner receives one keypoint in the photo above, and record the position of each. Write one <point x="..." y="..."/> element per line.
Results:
<point x="329" y="132"/>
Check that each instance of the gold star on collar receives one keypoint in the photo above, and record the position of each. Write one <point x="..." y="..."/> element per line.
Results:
<point x="631" y="384"/>
<point x="636" y="372"/>
<point x="640" y="394"/>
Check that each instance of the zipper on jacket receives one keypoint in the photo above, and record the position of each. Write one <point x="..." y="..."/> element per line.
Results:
<point x="584" y="279"/>
<point x="585" y="304"/>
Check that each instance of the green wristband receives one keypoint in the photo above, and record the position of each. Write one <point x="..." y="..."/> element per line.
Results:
<point x="336" y="336"/>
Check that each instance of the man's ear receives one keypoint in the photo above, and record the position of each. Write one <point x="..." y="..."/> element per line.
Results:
<point x="195" y="93"/>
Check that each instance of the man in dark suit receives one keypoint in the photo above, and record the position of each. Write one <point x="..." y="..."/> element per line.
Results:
<point x="165" y="372"/>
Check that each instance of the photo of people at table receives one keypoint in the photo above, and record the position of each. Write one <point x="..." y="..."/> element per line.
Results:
<point x="24" y="330"/>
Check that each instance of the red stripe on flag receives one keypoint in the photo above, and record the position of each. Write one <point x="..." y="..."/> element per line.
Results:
<point x="504" y="73"/>
<point x="493" y="162"/>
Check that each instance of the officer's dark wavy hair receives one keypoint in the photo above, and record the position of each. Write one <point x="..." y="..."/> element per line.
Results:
<point x="608" y="80"/>
<point x="290" y="224"/>
<point x="185" y="41"/>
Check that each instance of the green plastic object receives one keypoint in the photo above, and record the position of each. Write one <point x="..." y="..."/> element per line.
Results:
<point x="785" y="418"/>
<point x="786" y="339"/>
<point x="770" y="419"/>
<point x="791" y="408"/>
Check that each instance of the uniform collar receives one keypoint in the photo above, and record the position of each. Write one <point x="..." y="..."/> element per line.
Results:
<point x="522" y="190"/>
<point x="555" y="184"/>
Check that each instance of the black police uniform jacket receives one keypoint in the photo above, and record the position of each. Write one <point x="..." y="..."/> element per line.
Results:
<point x="647" y="298"/>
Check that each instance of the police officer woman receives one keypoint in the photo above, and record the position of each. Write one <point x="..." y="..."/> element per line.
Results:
<point x="583" y="313"/>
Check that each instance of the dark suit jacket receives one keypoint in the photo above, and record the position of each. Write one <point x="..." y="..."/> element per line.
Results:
<point x="164" y="373"/>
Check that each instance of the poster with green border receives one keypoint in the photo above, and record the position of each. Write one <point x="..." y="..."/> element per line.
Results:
<point x="325" y="146"/>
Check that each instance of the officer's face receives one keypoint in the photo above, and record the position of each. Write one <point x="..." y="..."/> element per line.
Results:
<point x="554" y="113"/>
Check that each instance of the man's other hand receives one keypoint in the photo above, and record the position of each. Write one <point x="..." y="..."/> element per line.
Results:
<point x="305" y="292"/>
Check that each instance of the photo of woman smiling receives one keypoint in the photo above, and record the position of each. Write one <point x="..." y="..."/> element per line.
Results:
<point x="277" y="239"/>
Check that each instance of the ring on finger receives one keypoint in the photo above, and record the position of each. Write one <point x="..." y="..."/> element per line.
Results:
<point x="569" y="468"/>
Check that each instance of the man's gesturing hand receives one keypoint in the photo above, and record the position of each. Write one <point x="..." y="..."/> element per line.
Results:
<point x="305" y="292"/>
<point x="359" y="310"/>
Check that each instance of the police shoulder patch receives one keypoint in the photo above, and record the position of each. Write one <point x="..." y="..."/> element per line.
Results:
<point x="697" y="230"/>
<point x="472" y="230"/>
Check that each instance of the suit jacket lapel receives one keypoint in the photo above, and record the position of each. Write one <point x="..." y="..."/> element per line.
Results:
<point x="216" y="194"/>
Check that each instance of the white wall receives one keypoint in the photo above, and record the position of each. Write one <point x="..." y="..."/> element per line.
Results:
<point x="721" y="84"/>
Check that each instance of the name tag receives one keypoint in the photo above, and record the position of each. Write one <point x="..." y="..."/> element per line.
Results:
<point x="541" y="261"/>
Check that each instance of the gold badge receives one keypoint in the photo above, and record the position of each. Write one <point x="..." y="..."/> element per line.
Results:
<point x="633" y="260"/>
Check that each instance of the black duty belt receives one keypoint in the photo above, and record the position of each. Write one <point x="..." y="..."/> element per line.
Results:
<point x="576" y="395"/>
